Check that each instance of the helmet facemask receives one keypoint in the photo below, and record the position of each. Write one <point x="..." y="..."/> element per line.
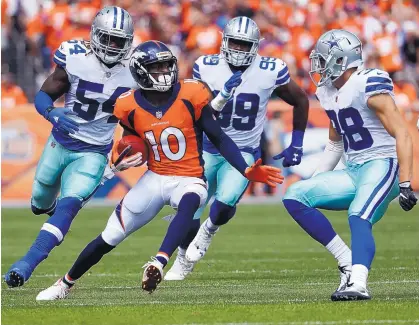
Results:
<point x="326" y="69"/>
<point x="159" y="76"/>
<point x="110" y="46"/>
<point x="239" y="51"/>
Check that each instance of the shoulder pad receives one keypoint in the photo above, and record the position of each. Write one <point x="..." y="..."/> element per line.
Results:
<point x="196" y="72"/>
<point x="203" y="62"/>
<point x="67" y="48"/>
<point x="276" y="68"/>
<point x="376" y="81"/>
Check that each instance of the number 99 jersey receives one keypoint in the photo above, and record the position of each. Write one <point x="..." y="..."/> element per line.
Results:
<point x="364" y="136"/>
<point x="243" y="117"/>
<point x="93" y="91"/>
<point x="171" y="131"/>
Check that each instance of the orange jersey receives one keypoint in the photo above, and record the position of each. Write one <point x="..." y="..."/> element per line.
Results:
<point x="170" y="131"/>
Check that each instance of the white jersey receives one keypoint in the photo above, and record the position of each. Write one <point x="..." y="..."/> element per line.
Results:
<point x="364" y="136"/>
<point x="243" y="117"/>
<point x="93" y="91"/>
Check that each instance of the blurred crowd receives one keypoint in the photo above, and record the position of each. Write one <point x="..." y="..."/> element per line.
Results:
<point x="389" y="29"/>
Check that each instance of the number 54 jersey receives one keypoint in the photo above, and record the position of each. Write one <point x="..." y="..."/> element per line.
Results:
<point x="243" y="117"/>
<point x="364" y="136"/>
<point x="93" y="91"/>
<point x="172" y="130"/>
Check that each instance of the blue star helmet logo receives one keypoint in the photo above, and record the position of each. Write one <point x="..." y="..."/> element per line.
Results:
<point x="333" y="42"/>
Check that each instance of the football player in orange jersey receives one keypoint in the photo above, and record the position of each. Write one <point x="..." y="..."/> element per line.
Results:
<point x="171" y="116"/>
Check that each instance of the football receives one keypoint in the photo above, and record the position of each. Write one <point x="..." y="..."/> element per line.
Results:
<point x="137" y="145"/>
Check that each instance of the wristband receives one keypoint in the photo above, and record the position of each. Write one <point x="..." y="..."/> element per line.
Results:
<point x="297" y="138"/>
<point x="47" y="111"/>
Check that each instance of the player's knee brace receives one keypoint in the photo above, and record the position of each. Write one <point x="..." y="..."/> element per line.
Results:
<point x="221" y="213"/>
<point x="67" y="208"/>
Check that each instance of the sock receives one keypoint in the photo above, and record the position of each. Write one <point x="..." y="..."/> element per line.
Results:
<point x="68" y="281"/>
<point x="211" y="228"/>
<point x="180" y="226"/>
<point x="340" y="251"/>
<point x="163" y="258"/>
<point x="193" y="230"/>
<point x="51" y="234"/>
<point x="39" y="251"/>
<point x="362" y="241"/>
<point x="221" y="213"/>
<point x="359" y="275"/>
<point x="311" y="220"/>
<point x="90" y="256"/>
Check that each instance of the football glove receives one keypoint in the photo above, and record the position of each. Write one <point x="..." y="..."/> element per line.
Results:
<point x="264" y="174"/>
<point x="292" y="156"/>
<point x="407" y="198"/>
<point x="59" y="117"/>
<point x="231" y="84"/>
<point x="121" y="163"/>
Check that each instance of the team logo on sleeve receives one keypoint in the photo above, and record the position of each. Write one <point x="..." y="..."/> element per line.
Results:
<point x="159" y="114"/>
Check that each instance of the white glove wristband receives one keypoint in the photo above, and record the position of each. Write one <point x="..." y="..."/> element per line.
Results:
<point x="331" y="156"/>
<point x="219" y="101"/>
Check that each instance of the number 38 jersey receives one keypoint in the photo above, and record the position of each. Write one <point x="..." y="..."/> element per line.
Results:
<point x="243" y="117"/>
<point x="171" y="131"/>
<point x="364" y="136"/>
<point x="93" y="91"/>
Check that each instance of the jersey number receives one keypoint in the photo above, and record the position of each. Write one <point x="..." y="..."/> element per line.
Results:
<point x="348" y="122"/>
<point x="76" y="48"/>
<point x="90" y="112"/>
<point x="246" y="106"/>
<point x="266" y="63"/>
<point x="164" y="141"/>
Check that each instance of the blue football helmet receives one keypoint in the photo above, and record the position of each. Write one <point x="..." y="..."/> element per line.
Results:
<point x="153" y="66"/>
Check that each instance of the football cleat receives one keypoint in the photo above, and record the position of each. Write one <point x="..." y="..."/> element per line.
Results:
<point x="59" y="290"/>
<point x="152" y="276"/>
<point x="345" y="275"/>
<point x="16" y="275"/>
<point x="351" y="292"/>
<point x="180" y="269"/>
<point x="199" y="245"/>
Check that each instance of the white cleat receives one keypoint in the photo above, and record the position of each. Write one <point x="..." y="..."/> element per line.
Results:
<point x="199" y="246"/>
<point x="153" y="274"/>
<point x="59" y="290"/>
<point x="345" y="275"/>
<point x="352" y="291"/>
<point x="180" y="269"/>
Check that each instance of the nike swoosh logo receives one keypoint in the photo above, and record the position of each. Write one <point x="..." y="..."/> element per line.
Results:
<point x="379" y="73"/>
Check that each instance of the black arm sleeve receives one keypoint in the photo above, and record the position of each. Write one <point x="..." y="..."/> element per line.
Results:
<point x="222" y="141"/>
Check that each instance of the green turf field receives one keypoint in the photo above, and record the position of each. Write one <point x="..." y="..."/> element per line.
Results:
<point x="261" y="268"/>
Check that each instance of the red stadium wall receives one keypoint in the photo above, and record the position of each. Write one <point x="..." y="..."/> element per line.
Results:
<point x="25" y="133"/>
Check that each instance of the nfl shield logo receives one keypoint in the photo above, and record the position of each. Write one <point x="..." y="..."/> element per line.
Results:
<point x="159" y="114"/>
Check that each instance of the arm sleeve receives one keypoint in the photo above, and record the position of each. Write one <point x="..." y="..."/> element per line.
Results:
<point x="330" y="158"/>
<point x="378" y="82"/>
<point x="221" y="141"/>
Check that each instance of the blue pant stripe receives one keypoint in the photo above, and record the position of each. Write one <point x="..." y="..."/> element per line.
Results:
<point x="378" y="187"/>
<point x="385" y="194"/>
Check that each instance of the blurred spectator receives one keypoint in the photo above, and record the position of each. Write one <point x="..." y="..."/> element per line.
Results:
<point x="388" y="29"/>
<point x="11" y="94"/>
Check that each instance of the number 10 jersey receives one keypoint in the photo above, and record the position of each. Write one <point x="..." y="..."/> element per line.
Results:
<point x="243" y="116"/>
<point x="93" y="91"/>
<point x="364" y="136"/>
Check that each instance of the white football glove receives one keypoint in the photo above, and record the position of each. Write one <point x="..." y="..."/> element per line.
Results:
<point x="122" y="163"/>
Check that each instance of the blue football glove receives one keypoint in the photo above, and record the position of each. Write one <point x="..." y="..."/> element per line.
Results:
<point x="231" y="84"/>
<point x="59" y="117"/>
<point x="293" y="154"/>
